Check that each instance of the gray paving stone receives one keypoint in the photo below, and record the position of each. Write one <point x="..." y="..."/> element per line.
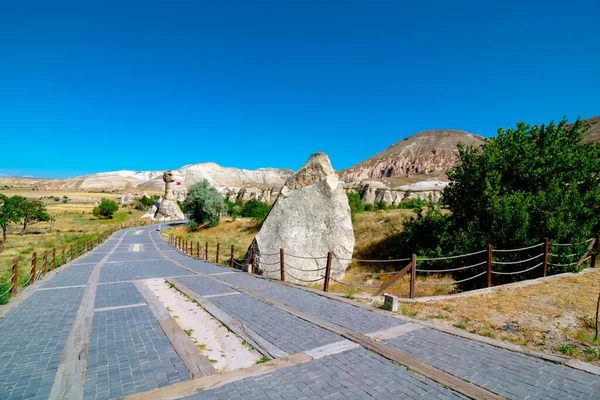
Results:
<point x="129" y="353"/>
<point x="340" y="376"/>
<point x="117" y="294"/>
<point x="72" y="276"/>
<point x="504" y="372"/>
<point x="125" y="271"/>
<point x="284" y="330"/>
<point x="32" y="338"/>
<point x="204" y="286"/>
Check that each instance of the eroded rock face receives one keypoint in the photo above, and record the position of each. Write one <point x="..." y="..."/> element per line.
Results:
<point x="169" y="209"/>
<point x="310" y="218"/>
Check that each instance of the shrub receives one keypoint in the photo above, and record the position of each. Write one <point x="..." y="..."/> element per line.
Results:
<point x="256" y="210"/>
<point x="368" y="207"/>
<point x="106" y="209"/>
<point x="355" y="203"/>
<point x="412" y="204"/>
<point x="204" y="204"/>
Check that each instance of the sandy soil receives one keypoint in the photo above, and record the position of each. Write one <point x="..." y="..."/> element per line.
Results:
<point x="223" y="348"/>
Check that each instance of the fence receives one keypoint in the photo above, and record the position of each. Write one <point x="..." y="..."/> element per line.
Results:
<point x="53" y="259"/>
<point x="491" y="265"/>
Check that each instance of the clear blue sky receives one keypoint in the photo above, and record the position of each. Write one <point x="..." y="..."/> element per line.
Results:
<point x="90" y="86"/>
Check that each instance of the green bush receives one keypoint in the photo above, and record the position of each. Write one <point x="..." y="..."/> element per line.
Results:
<point x="234" y="209"/>
<point x="524" y="185"/>
<point x="256" y="210"/>
<point x="355" y="203"/>
<point x="412" y="204"/>
<point x="106" y="209"/>
<point x="368" y="207"/>
<point x="204" y="204"/>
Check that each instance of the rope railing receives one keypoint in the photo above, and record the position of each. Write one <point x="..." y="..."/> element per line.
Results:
<point x="563" y="265"/>
<point x="365" y="286"/>
<point x="372" y="261"/>
<point x="516" y="262"/>
<point x="8" y="291"/>
<point x="562" y="255"/>
<point x="521" y="249"/>
<point x="305" y="270"/>
<point x="451" y="257"/>
<point x="518" y="272"/>
<point x="305" y="280"/>
<point x="305" y="258"/>
<point x="451" y="269"/>
<point x="453" y="282"/>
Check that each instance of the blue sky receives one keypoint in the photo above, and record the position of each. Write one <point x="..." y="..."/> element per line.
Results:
<point x="91" y="86"/>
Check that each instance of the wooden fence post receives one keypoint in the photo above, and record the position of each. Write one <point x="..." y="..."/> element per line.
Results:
<point x="15" y="277"/>
<point x="232" y="255"/>
<point x="45" y="263"/>
<point x="327" y="272"/>
<point x="71" y="249"/>
<point x="64" y="259"/>
<point x="489" y="265"/>
<point x="251" y="266"/>
<point x="198" y="250"/>
<point x="282" y="265"/>
<point x="217" y="256"/>
<point x="413" y="275"/>
<point x="545" y="262"/>
<point x="594" y="251"/>
<point x="206" y="251"/>
<point x="54" y="258"/>
<point x="33" y="267"/>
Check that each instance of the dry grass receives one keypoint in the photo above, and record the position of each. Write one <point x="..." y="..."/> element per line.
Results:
<point x="557" y="315"/>
<point x="238" y="233"/>
<point x="73" y="223"/>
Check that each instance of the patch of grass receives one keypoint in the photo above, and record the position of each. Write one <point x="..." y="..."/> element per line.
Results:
<point x="188" y="331"/>
<point x="438" y="315"/>
<point x="567" y="349"/>
<point x="405" y="310"/>
<point x="213" y="361"/>
<point x="263" y="359"/>
<point x="350" y="293"/>
<point x="591" y="354"/>
<point x="463" y="324"/>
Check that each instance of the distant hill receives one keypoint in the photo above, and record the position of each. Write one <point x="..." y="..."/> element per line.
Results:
<point x="220" y="177"/>
<point x="423" y="156"/>
<point x="593" y="134"/>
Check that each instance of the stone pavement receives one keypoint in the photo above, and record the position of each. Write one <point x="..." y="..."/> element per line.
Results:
<point x="129" y="353"/>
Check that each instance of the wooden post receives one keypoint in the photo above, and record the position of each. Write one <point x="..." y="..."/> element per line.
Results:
<point x="206" y="251"/>
<point x="594" y="251"/>
<point x="71" y="249"/>
<point x="54" y="258"/>
<point x="282" y="265"/>
<point x="489" y="265"/>
<point x="413" y="276"/>
<point x="545" y="262"/>
<point x="252" y="257"/>
<point x="231" y="259"/>
<point x="15" y="277"/>
<point x="217" y="256"/>
<point x="64" y="259"/>
<point x="33" y="266"/>
<point x="198" y="250"/>
<point x="327" y="272"/>
<point x="45" y="263"/>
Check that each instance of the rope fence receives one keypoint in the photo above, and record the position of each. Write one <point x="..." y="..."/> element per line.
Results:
<point x="256" y="262"/>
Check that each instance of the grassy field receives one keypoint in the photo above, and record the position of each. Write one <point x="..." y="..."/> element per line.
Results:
<point x="371" y="230"/>
<point x="557" y="315"/>
<point x="73" y="222"/>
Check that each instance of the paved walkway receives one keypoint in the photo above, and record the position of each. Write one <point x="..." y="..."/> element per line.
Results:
<point x="93" y="308"/>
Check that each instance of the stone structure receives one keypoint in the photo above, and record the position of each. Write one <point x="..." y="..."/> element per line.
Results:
<point x="169" y="209"/>
<point x="310" y="218"/>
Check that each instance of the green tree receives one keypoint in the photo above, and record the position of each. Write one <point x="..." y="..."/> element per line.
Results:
<point x="355" y="203"/>
<point x="524" y="185"/>
<point x="255" y="209"/>
<point x="234" y="209"/>
<point x="32" y="211"/>
<point x="9" y="213"/>
<point x="204" y="204"/>
<point x="106" y="209"/>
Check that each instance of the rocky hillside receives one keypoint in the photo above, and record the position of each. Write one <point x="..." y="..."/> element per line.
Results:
<point x="593" y="134"/>
<point x="423" y="156"/>
<point x="218" y="176"/>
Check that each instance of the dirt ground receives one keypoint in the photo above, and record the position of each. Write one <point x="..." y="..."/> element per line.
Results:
<point x="556" y="316"/>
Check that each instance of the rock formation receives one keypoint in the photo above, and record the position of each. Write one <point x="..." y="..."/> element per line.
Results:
<point x="310" y="218"/>
<point x="169" y="209"/>
<point x="427" y="154"/>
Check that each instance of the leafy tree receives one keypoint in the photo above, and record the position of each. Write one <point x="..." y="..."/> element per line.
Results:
<point x="524" y="185"/>
<point x="32" y="211"/>
<point x="65" y="199"/>
<point x="146" y="201"/>
<point x="234" y="209"/>
<point x="255" y="209"/>
<point x="355" y="203"/>
<point x="412" y="204"/>
<point x="9" y="213"/>
<point x="380" y="205"/>
<point x="204" y="204"/>
<point x="106" y="209"/>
